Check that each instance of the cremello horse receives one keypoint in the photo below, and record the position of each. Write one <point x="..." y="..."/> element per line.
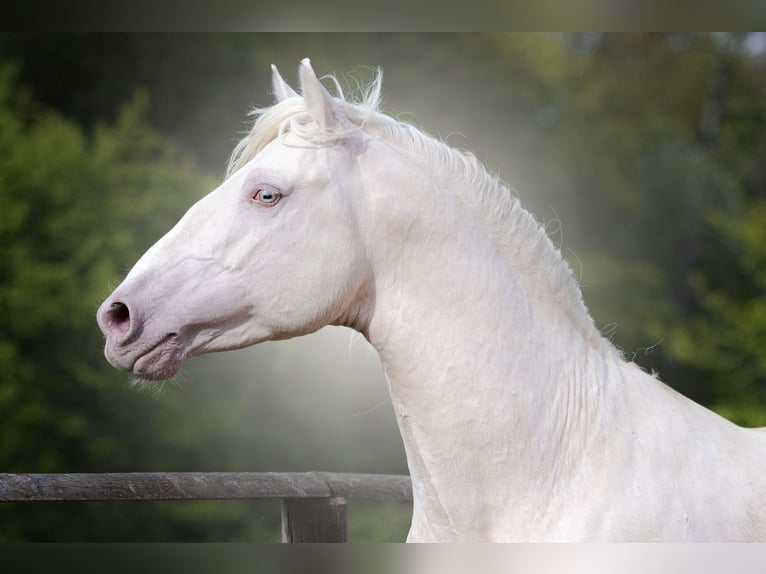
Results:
<point x="519" y="420"/>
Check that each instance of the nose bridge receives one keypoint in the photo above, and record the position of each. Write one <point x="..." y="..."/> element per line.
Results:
<point x="163" y="274"/>
<point x="160" y="255"/>
<point x="196" y="235"/>
<point x="120" y="315"/>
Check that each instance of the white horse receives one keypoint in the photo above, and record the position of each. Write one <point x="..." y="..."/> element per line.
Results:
<point x="519" y="420"/>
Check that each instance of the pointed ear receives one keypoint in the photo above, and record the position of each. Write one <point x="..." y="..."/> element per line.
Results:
<point x="319" y="102"/>
<point x="281" y="90"/>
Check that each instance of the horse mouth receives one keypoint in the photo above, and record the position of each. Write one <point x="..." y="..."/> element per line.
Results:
<point x="160" y="362"/>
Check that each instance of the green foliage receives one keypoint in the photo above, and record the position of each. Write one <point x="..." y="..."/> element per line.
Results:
<point x="76" y="210"/>
<point x="376" y="521"/>
<point x="725" y="342"/>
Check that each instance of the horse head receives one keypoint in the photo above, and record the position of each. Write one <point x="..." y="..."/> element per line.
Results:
<point x="273" y="252"/>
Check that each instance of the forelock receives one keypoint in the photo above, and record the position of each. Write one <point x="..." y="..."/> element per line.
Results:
<point x="291" y="115"/>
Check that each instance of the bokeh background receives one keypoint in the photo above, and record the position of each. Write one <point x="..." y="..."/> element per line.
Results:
<point x="643" y="155"/>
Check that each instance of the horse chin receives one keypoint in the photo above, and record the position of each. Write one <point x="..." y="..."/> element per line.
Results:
<point x="160" y="363"/>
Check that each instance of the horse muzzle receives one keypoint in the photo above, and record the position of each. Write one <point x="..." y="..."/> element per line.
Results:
<point x="131" y="347"/>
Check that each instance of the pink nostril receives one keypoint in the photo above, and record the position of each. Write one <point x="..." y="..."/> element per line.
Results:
<point x="119" y="321"/>
<point x="118" y="317"/>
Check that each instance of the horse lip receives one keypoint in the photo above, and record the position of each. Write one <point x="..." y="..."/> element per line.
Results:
<point x="168" y="363"/>
<point x="152" y="348"/>
<point x="119" y="355"/>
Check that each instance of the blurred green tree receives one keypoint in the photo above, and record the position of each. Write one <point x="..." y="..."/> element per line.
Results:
<point x="76" y="210"/>
<point x="724" y="342"/>
<point x="663" y="137"/>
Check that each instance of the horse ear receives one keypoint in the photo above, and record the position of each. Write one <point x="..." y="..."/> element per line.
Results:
<point x="282" y="90"/>
<point x="319" y="102"/>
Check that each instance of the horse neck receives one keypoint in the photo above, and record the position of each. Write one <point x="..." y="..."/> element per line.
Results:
<point x="489" y="370"/>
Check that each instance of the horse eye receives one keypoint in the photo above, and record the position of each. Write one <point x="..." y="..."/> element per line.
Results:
<point x="267" y="196"/>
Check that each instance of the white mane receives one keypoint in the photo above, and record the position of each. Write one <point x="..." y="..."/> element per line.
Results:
<point x="517" y="234"/>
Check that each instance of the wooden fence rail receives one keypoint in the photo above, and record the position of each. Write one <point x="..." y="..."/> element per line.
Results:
<point x="313" y="503"/>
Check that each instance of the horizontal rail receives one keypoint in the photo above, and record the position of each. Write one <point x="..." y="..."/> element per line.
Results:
<point x="83" y="487"/>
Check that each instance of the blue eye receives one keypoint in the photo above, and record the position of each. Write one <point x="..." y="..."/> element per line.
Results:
<point x="267" y="196"/>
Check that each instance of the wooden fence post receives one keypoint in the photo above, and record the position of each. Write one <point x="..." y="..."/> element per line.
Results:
<point x="314" y="520"/>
